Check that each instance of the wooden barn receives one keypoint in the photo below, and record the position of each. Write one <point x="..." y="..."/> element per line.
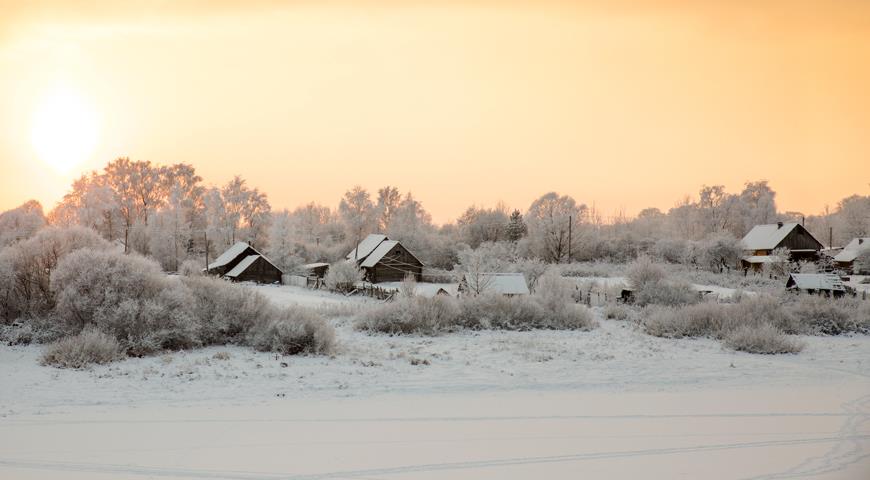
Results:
<point x="385" y="260"/>
<point x="316" y="270"/>
<point x="845" y="259"/>
<point x="242" y="263"/>
<point x="762" y="240"/>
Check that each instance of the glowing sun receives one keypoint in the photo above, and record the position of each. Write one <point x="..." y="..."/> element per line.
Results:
<point x="65" y="130"/>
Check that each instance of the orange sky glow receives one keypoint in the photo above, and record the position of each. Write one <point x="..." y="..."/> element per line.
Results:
<point x="461" y="103"/>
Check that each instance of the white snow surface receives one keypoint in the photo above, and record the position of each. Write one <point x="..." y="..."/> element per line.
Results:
<point x="609" y="403"/>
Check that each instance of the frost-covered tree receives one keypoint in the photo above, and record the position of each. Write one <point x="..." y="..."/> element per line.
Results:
<point x="516" y="227"/>
<point x="480" y="225"/>
<point x="26" y="267"/>
<point x="357" y="214"/>
<point x="389" y="200"/>
<point x="861" y="265"/>
<point x="721" y="252"/>
<point x="20" y="223"/>
<point x="548" y="221"/>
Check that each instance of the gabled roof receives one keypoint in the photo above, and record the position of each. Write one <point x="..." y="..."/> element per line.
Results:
<point x="815" y="281"/>
<point x="761" y="259"/>
<point x="383" y="248"/>
<point x="851" y="251"/>
<point x="366" y="247"/>
<point x="768" y="237"/>
<point x="312" y="266"/>
<point x="503" y="283"/>
<point x="242" y="266"/>
<point x="229" y="255"/>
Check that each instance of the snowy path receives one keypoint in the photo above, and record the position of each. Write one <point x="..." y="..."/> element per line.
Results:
<point x="751" y="433"/>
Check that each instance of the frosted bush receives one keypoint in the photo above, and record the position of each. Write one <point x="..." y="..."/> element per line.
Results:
<point x="828" y="316"/>
<point x="296" y="331"/>
<point x="191" y="268"/>
<point x="126" y="296"/>
<point x="342" y="276"/>
<point x="764" y="339"/>
<point x="616" y="312"/>
<point x="91" y="346"/>
<point x="411" y="315"/>
<point x="703" y="319"/>
<point x="225" y="312"/>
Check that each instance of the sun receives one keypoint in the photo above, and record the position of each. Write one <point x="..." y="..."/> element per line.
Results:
<point x="65" y="130"/>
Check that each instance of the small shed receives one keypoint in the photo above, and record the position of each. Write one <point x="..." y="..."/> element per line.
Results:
<point x="385" y="260"/>
<point x="816" y="283"/>
<point x="242" y="263"/>
<point x="316" y="270"/>
<point x="508" y="284"/>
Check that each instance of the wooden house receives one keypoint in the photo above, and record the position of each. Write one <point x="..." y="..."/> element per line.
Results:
<point x="845" y="259"/>
<point x="385" y="260"/>
<point x="242" y="263"/>
<point x="762" y="240"/>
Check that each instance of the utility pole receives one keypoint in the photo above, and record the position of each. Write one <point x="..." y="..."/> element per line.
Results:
<point x="570" y="221"/>
<point x="205" y="234"/>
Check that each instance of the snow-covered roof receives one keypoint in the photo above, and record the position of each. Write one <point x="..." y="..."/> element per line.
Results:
<point x="761" y="259"/>
<point x="851" y="251"/>
<point x="816" y="281"/>
<point x="382" y="249"/>
<point x="242" y="266"/>
<point x="229" y="255"/>
<point x="503" y="283"/>
<point x="366" y="246"/>
<point x="311" y="266"/>
<point x="767" y="237"/>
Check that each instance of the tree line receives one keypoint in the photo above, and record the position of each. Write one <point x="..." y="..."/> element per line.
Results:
<point x="168" y="213"/>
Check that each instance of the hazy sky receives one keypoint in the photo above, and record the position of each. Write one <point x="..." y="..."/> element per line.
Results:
<point x="460" y="102"/>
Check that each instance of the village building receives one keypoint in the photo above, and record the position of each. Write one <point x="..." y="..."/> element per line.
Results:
<point x="242" y="263"/>
<point x="845" y="259"/>
<point x="762" y="240"/>
<point x="315" y="270"/>
<point x="816" y="283"/>
<point x="508" y="284"/>
<point x="385" y="260"/>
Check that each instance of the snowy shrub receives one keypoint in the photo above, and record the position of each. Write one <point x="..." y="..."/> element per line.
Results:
<point x="644" y="273"/>
<point x="819" y="315"/>
<point x="126" y="296"/>
<point x="342" y="276"/>
<point x="652" y="286"/>
<point x="296" y="331"/>
<point x="491" y="311"/>
<point x="191" y="268"/>
<point x="90" y="346"/>
<point x="407" y="315"/>
<point x="764" y="339"/>
<point x="616" y="312"/>
<point x="26" y="267"/>
<point x="703" y="319"/>
<point x="666" y="294"/>
<point x="225" y="312"/>
<point x="759" y="310"/>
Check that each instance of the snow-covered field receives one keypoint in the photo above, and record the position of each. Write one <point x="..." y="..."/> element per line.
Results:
<point x="610" y="403"/>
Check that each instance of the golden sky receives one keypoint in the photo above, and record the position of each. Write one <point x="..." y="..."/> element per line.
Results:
<point x="462" y="103"/>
